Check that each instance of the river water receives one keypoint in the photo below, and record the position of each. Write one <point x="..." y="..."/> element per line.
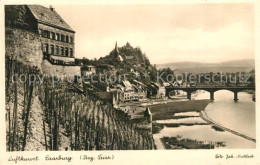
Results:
<point x="238" y="116"/>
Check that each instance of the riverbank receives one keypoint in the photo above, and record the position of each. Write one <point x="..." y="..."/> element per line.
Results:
<point x="205" y="117"/>
<point x="167" y="111"/>
<point x="185" y="143"/>
<point x="184" y="119"/>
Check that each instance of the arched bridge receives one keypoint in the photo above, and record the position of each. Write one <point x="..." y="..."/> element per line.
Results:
<point x="211" y="90"/>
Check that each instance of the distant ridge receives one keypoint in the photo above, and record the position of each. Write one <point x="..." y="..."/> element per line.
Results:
<point x="200" y="67"/>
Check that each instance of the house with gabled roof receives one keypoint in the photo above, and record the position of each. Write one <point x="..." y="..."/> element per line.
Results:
<point x="56" y="36"/>
<point x="39" y="36"/>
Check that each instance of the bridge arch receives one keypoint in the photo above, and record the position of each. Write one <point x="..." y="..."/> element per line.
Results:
<point x="229" y="94"/>
<point x="248" y="91"/>
<point x="224" y="89"/>
<point x="177" y="93"/>
<point x="202" y="94"/>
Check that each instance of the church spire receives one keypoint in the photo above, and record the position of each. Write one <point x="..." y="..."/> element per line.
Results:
<point x="116" y="53"/>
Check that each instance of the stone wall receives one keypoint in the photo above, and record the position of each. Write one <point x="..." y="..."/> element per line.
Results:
<point x="24" y="46"/>
<point x="57" y="70"/>
<point x="65" y="59"/>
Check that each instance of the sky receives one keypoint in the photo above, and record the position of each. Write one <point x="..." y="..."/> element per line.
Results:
<point x="165" y="33"/>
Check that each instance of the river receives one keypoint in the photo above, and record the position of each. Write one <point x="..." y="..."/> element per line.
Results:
<point x="238" y="116"/>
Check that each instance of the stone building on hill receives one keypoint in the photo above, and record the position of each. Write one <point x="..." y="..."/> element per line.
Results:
<point x="38" y="36"/>
<point x="56" y="36"/>
<point x="116" y="54"/>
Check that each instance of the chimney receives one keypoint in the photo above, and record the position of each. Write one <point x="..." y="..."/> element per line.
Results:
<point x="52" y="9"/>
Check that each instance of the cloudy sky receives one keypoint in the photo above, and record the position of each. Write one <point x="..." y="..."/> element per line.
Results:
<point x="166" y="33"/>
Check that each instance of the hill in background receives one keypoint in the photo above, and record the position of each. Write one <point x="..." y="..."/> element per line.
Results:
<point x="129" y="61"/>
<point x="200" y="67"/>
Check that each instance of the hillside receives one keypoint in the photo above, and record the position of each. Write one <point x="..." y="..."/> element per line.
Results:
<point x="127" y="59"/>
<point x="128" y="56"/>
<point x="200" y="67"/>
<point x="40" y="117"/>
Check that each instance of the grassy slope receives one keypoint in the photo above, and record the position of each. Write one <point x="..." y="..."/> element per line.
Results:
<point x="166" y="111"/>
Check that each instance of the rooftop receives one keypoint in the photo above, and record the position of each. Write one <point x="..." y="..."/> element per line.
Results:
<point x="49" y="16"/>
<point x="127" y="84"/>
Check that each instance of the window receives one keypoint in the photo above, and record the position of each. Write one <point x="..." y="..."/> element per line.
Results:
<point x="71" y="52"/>
<point x="66" y="52"/>
<point x="71" y="40"/>
<point x="53" y="35"/>
<point x="62" y="38"/>
<point x="67" y="39"/>
<point x="57" y="36"/>
<point x="41" y="31"/>
<point x="62" y="51"/>
<point x="57" y="50"/>
<point x="48" y="34"/>
<point x="44" y="33"/>
<point x="46" y="48"/>
<point x="52" y="49"/>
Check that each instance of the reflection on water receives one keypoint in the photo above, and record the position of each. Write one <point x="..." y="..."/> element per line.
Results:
<point x="204" y="133"/>
<point x="238" y="116"/>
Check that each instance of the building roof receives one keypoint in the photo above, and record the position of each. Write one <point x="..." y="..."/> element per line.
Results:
<point x="153" y="86"/>
<point x="119" y="87"/>
<point x="166" y="84"/>
<point x="49" y="16"/>
<point x="127" y="84"/>
<point x="138" y="82"/>
<point x="179" y="81"/>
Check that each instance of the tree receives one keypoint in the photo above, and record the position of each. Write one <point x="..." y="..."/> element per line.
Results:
<point x="164" y="74"/>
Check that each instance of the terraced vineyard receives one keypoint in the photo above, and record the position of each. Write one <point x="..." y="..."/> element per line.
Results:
<point x="42" y="115"/>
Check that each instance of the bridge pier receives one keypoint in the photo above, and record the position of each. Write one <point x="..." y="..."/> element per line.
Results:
<point x="235" y="90"/>
<point x="235" y="96"/>
<point x="189" y="95"/>
<point x="211" y="95"/>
